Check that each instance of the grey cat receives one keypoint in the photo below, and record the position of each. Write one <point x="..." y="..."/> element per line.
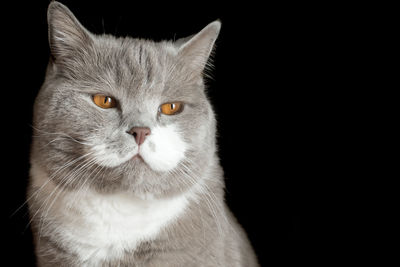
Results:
<point x="124" y="167"/>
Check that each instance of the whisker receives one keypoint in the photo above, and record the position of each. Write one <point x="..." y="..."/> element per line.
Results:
<point x="66" y="181"/>
<point x="45" y="202"/>
<point x="66" y="165"/>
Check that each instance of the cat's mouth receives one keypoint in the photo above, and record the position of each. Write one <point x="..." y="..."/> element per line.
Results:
<point x="137" y="157"/>
<point x="137" y="160"/>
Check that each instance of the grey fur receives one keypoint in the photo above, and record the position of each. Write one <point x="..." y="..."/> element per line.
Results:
<point x="141" y="74"/>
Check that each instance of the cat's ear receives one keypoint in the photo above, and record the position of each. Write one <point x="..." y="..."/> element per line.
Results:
<point x="196" y="49"/>
<point x="66" y="34"/>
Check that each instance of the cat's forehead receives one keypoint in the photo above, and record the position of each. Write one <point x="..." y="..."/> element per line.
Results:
<point x="141" y="54"/>
<point x="134" y="70"/>
<point x="129" y="62"/>
<point x="125" y="68"/>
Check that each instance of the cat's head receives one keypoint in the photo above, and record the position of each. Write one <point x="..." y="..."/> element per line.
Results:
<point x="123" y="113"/>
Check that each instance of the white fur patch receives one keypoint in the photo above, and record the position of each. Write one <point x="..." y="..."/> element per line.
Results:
<point x="164" y="148"/>
<point x="109" y="225"/>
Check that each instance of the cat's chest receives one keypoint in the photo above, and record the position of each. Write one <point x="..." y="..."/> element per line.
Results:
<point x="103" y="227"/>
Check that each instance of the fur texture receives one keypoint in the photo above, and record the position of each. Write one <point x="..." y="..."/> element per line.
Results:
<point x="97" y="198"/>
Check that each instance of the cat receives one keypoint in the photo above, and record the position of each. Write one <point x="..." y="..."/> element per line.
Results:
<point x="124" y="165"/>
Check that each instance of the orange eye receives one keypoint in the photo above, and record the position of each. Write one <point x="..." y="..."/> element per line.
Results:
<point x="104" y="101"/>
<point x="171" y="108"/>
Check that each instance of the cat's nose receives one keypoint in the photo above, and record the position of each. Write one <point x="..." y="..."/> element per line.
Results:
<point x="140" y="134"/>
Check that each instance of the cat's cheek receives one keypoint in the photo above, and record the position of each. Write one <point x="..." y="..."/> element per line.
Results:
<point x="164" y="148"/>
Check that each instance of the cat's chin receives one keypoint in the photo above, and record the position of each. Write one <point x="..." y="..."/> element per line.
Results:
<point x="138" y="163"/>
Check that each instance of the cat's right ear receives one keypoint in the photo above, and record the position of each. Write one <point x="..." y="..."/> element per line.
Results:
<point x="66" y="35"/>
<point x="194" y="51"/>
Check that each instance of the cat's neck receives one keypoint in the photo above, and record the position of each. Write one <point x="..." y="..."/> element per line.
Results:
<point x="98" y="223"/>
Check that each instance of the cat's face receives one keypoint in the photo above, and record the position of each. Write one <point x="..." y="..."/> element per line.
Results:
<point x="134" y="143"/>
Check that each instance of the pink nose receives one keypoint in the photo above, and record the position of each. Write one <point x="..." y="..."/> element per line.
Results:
<point x="140" y="134"/>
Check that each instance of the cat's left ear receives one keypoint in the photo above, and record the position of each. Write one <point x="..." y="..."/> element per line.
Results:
<point x="196" y="49"/>
<point x="66" y="35"/>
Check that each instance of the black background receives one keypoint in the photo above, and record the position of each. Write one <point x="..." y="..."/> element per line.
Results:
<point x="270" y="89"/>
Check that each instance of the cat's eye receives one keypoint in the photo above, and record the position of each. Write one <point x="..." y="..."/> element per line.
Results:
<point x="104" y="101"/>
<point x="171" y="108"/>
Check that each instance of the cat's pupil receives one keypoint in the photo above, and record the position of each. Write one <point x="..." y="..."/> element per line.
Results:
<point x="172" y="106"/>
<point x="106" y="99"/>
